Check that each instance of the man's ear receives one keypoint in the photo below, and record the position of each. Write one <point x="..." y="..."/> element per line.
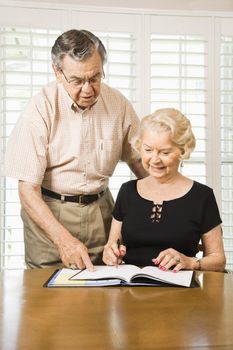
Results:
<point x="57" y="73"/>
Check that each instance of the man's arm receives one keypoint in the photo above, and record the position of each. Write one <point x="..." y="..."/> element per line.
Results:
<point x="138" y="169"/>
<point x="71" y="250"/>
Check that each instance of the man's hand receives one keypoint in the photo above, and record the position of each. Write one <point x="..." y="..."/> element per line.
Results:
<point x="71" y="250"/>
<point x="74" y="254"/>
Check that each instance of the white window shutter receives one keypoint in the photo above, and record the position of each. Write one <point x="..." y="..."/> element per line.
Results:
<point x="179" y="78"/>
<point x="25" y="68"/>
<point x="226" y="112"/>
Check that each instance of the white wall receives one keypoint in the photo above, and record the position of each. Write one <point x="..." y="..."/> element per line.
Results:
<point x="202" y="5"/>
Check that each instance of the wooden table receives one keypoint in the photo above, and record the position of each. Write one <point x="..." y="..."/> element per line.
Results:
<point x="124" y="318"/>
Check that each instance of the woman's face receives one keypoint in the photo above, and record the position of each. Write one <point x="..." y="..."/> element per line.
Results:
<point x="160" y="156"/>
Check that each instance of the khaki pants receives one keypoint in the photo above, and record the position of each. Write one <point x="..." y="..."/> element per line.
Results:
<point x="89" y="223"/>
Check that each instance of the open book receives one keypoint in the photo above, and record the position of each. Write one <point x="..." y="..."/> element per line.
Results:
<point x="120" y="275"/>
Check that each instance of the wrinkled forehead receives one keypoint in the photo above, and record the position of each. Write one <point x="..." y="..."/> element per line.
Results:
<point x="84" y="69"/>
<point x="91" y="62"/>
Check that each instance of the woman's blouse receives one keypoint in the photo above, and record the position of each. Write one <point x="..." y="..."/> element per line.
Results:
<point x="147" y="228"/>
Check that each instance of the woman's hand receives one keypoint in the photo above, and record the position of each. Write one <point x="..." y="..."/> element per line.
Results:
<point x="172" y="258"/>
<point x="113" y="253"/>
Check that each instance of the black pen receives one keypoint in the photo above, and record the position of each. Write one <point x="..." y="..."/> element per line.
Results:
<point x="118" y="246"/>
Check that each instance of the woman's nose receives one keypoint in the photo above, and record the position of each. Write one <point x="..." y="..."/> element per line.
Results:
<point x="155" y="158"/>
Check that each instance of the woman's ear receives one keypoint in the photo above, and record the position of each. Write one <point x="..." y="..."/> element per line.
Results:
<point x="182" y="152"/>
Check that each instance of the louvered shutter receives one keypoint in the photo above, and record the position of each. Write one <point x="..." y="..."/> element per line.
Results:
<point x="226" y="111"/>
<point x="179" y="78"/>
<point x="25" y="68"/>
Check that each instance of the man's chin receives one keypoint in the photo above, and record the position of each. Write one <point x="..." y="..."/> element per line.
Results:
<point x="86" y="103"/>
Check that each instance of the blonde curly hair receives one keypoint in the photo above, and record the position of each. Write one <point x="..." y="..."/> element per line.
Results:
<point x="172" y="120"/>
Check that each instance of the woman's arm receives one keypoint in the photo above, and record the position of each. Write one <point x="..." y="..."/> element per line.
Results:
<point x="113" y="252"/>
<point x="213" y="255"/>
<point x="213" y="251"/>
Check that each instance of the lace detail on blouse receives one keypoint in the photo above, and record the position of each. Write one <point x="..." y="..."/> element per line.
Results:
<point x="156" y="213"/>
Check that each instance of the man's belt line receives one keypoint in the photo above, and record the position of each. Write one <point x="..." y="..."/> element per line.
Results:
<point x="81" y="198"/>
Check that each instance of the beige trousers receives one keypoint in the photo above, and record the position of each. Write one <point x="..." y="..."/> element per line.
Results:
<point x="89" y="223"/>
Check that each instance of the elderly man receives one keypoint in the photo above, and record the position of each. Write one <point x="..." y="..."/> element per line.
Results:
<point x="63" y="149"/>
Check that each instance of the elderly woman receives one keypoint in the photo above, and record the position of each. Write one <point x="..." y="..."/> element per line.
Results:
<point x="162" y="218"/>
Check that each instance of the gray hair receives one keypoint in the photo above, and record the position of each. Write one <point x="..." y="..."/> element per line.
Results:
<point x="79" y="45"/>
<point x="173" y="121"/>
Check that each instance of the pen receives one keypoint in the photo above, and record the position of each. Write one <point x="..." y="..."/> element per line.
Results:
<point x="118" y="246"/>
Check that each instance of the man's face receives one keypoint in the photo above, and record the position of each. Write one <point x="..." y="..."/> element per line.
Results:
<point x="82" y="80"/>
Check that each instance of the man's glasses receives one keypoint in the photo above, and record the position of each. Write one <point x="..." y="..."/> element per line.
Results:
<point x="78" y="83"/>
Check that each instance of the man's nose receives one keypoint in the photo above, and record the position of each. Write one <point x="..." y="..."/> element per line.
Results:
<point x="86" y="86"/>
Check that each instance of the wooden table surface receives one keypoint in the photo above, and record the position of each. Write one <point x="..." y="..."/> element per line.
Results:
<point x="124" y="318"/>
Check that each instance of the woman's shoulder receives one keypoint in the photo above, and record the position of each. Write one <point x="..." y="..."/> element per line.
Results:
<point x="127" y="191"/>
<point x="131" y="184"/>
<point x="202" y="187"/>
<point x="201" y="190"/>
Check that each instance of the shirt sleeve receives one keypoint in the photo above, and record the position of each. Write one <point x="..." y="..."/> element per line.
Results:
<point x="130" y="129"/>
<point x="26" y="155"/>
<point x="211" y="216"/>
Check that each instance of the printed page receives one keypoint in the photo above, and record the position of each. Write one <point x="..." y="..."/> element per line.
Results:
<point x="182" y="278"/>
<point x="124" y="272"/>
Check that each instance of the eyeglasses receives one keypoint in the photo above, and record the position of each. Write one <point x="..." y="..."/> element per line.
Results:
<point x="79" y="83"/>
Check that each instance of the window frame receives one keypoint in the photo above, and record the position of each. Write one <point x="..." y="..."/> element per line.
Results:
<point x="139" y="21"/>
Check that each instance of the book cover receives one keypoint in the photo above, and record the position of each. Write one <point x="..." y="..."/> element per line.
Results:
<point x="62" y="278"/>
